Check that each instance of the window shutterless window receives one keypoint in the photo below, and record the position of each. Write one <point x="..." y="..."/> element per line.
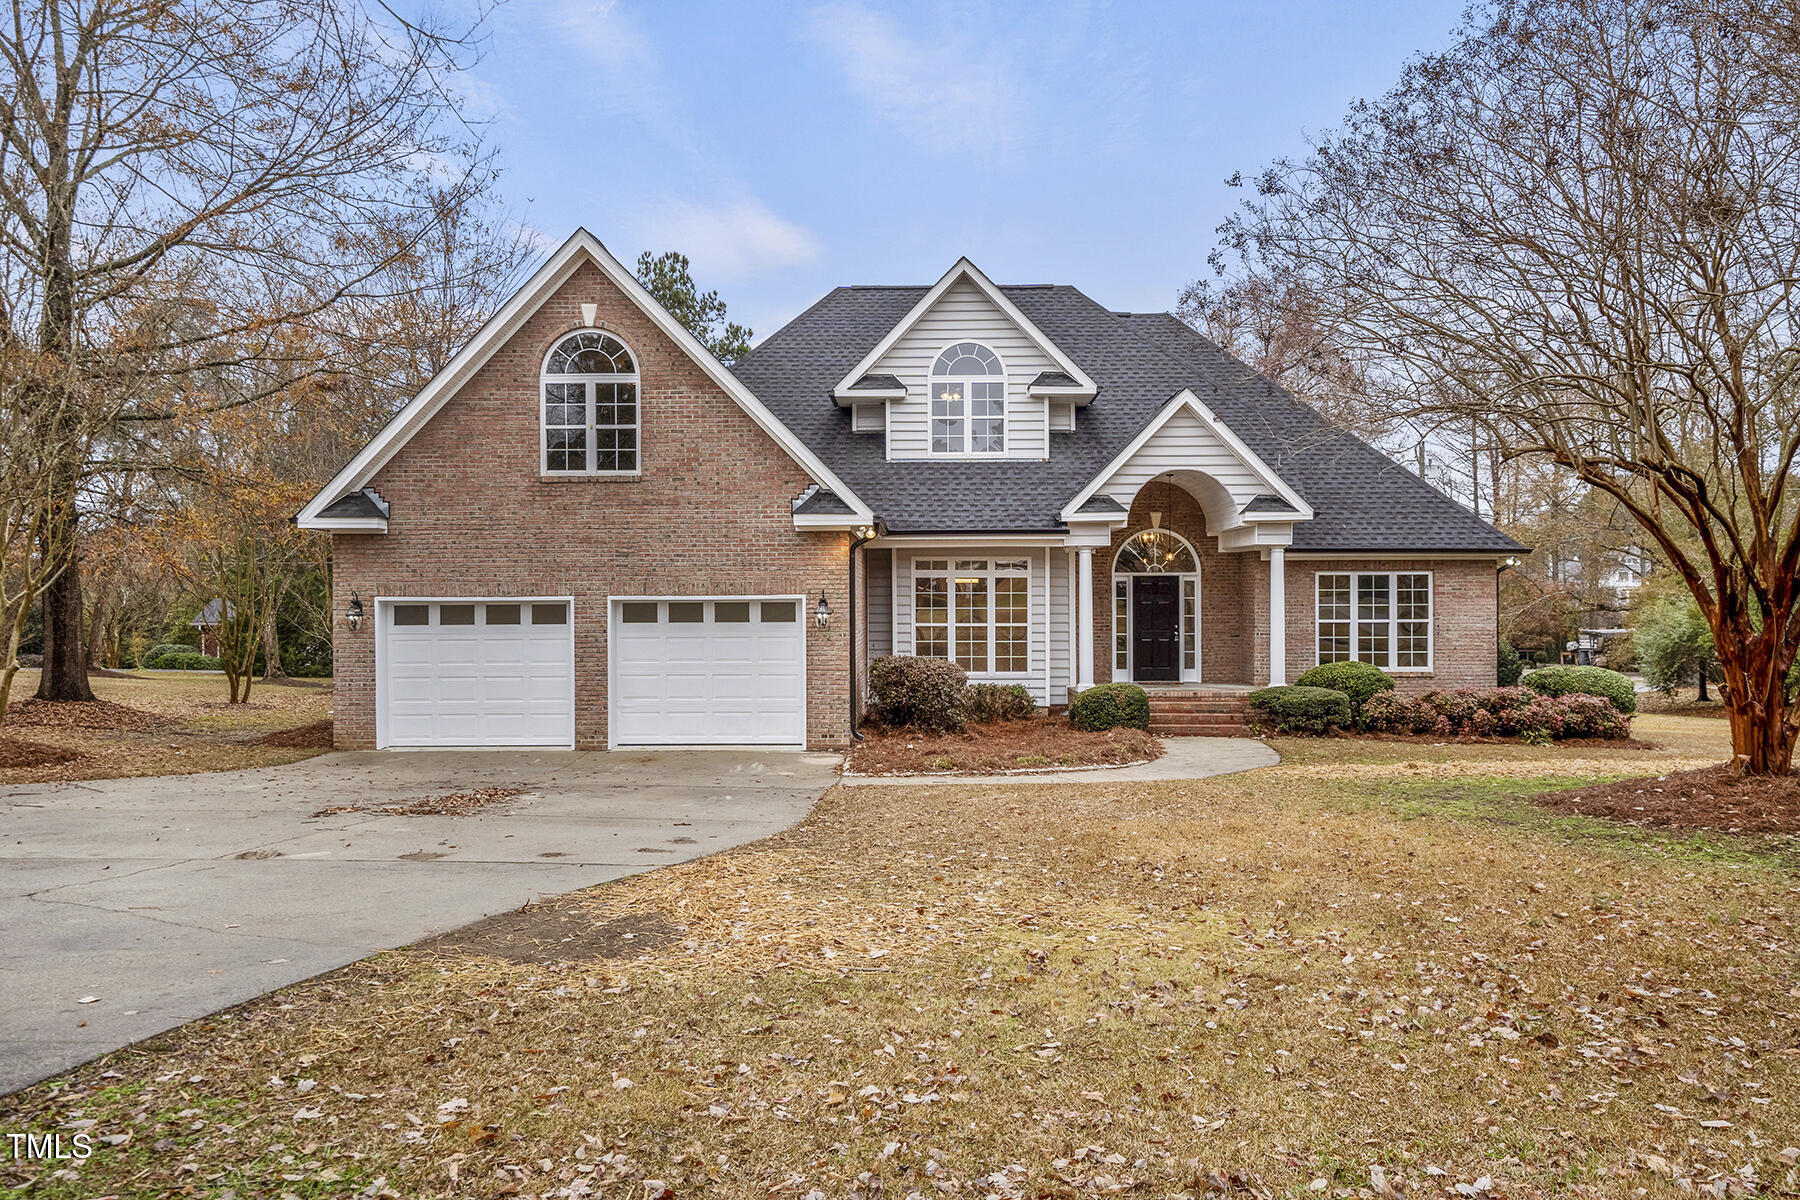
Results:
<point x="590" y="407"/>
<point x="975" y="611"/>
<point x="1378" y="617"/>
<point x="968" y="401"/>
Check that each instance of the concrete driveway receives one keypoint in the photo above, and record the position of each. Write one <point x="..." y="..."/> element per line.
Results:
<point x="172" y="897"/>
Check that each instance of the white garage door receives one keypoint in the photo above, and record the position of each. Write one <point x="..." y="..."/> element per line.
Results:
<point x="724" y="672"/>
<point x="477" y="673"/>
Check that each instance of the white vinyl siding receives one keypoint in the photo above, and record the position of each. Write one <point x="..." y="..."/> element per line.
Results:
<point x="1186" y="444"/>
<point x="1061" y="676"/>
<point x="878" y="577"/>
<point x="905" y="639"/>
<point x="867" y="418"/>
<point x="963" y="314"/>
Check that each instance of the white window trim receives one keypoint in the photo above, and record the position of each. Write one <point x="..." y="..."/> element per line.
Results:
<point x="1393" y="620"/>
<point x="1188" y="631"/>
<point x="991" y="573"/>
<point x="933" y="379"/>
<point x="635" y="379"/>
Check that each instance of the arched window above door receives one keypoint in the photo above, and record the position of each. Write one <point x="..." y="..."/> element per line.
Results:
<point x="1155" y="552"/>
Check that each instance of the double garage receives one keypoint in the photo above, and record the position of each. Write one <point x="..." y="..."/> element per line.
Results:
<point x="501" y="671"/>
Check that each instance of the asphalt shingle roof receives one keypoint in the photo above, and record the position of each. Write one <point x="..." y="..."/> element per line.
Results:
<point x="356" y="504"/>
<point x="1363" y="501"/>
<point x="824" y="503"/>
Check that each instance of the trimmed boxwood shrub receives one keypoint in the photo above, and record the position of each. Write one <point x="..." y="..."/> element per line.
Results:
<point x="1298" y="708"/>
<point x="170" y="656"/>
<point x="920" y="693"/>
<point x="1585" y="681"/>
<point x="1109" y="706"/>
<point x="1508" y="666"/>
<point x="1359" y="681"/>
<point x="998" y="702"/>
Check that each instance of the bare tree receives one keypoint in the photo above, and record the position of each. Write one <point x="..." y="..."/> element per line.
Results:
<point x="1578" y="228"/>
<point x="156" y="155"/>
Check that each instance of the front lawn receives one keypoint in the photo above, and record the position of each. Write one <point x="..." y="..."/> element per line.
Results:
<point x="1379" y="969"/>
<point x="160" y="723"/>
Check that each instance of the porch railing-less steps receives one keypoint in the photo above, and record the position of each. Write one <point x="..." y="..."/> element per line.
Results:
<point x="1198" y="712"/>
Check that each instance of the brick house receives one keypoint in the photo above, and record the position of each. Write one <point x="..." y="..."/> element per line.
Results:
<point x="587" y="531"/>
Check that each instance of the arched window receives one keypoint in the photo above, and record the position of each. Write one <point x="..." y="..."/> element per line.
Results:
<point x="1154" y="552"/>
<point x="590" y="413"/>
<point x="968" y="401"/>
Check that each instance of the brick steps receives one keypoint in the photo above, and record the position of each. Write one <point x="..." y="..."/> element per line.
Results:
<point x="1199" y="713"/>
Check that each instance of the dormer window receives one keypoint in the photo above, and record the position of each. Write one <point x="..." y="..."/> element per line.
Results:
<point x="590" y="407"/>
<point x="968" y="401"/>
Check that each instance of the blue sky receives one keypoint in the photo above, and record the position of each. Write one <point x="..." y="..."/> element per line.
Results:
<point x="790" y="148"/>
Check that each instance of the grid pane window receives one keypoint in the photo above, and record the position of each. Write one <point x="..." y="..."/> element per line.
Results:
<point x="1012" y="651"/>
<point x="968" y="401"/>
<point x="1334" y="618"/>
<point x="1190" y="624"/>
<point x="1380" y="618"/>
<point x="1121" y="625"/>
<point x="972" y="622"/>
<point x="975" y="611"/>
<point x="931" y="616"/>
<point x="590" y="416"/>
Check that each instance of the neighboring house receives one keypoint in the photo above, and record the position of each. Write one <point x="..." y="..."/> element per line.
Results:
<point x="208" y="620"/>
<point x="587" y="531"/>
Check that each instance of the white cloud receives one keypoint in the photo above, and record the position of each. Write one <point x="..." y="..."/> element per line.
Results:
<point x="727" y="240"/>
<point x="946" y="90"/>
<point x="629" y="73"/>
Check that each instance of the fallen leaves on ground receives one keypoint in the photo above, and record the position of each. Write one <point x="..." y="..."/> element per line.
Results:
<point x="996" y="747"/>
<point x="448" y="804"/>
<point x="1272" y="984"/>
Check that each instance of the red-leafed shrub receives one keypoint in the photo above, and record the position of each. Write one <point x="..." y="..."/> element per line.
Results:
<point x="1500" y="712"/>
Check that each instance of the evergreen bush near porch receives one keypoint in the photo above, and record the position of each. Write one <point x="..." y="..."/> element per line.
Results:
<point x="1585" y="681"/>
<point x="1301" y="709"/>
<point x="1109" y="706"/>
<point x="918" y="693"/>
<point x="1358" y="681"/>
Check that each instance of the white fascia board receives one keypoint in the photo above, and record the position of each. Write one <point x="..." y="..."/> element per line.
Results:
<point x="562" y="264"/>
<point x="1251" y="537"/>
<point x="849" y="399"/>
<point x="346" y="524"/>
<point x="1404" y="554"/>
<point x="925" y="541"/>
<point x="1185" y="399"/>
<point x="845" y="521"/>
<point x="964" y="269"/>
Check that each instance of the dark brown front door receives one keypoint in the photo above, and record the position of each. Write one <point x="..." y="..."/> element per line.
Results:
<point x="1155" y="628"/>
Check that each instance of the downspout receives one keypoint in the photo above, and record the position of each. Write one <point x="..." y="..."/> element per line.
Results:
<point x="856" y="543"/>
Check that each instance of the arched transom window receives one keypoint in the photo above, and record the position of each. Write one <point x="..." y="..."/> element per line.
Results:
<point x="968" y="401"/>
<point x="1154" y="552"/>
<point x="590" y="388"/>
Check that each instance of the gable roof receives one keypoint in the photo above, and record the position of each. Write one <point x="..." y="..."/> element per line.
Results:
<point x="581" y="247"/>
<point x="1362" y="500"/>
<point x="963" y="269"/>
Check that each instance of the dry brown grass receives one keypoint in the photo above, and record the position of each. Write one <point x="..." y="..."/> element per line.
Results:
<point x="158" y="723"/>
<point x="1395" y="982"/>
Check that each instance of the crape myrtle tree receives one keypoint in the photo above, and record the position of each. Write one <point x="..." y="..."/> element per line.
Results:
<point x="160" y="160"/>
<point x="1578" y="228"/>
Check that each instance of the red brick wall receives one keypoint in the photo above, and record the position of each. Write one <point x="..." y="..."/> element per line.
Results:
<point x="472" y="515"/>
<point x="1462" y="616"/>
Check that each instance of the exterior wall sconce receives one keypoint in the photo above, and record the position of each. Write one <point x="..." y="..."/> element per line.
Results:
<point x="353" y="616"/>
<point x="822" y="614"/>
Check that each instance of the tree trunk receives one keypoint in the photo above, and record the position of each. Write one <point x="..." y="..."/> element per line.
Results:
<point x="271" y="649"/>
<point x="65" y="650"/>
<point x="1701" y="672"/>
<point x="1764" y="722"/>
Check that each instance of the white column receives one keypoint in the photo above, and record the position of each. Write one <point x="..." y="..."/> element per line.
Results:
<point x="1277" y="617"/>
<point x="1084" y="671"/>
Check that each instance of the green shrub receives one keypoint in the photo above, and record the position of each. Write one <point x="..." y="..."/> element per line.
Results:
<point x="1508" y="666"/>
<point x="172" y="657"/>
<point x="918" y="693"/>
<point x="1585" y="681"/>
<point x="1109" y="706"/>
<point x="998" y="702"/>
<point x="1539" y="657"/>
<point x="1300" y="708"/>
<point x="1359" y="681"/>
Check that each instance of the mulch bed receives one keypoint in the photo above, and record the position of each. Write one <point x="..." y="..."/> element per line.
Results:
<point x="1708" y="798"/>
<point x="1035" y="744"/>
<point x="17" y="753"/>
<point x="83" y="714"/>
<point x="449" y="804"/>
<point x="316" y="736"/>
<point x="1432" y="739"/>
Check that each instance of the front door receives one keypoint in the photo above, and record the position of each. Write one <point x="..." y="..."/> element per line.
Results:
<point x="1155" y="628"/>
